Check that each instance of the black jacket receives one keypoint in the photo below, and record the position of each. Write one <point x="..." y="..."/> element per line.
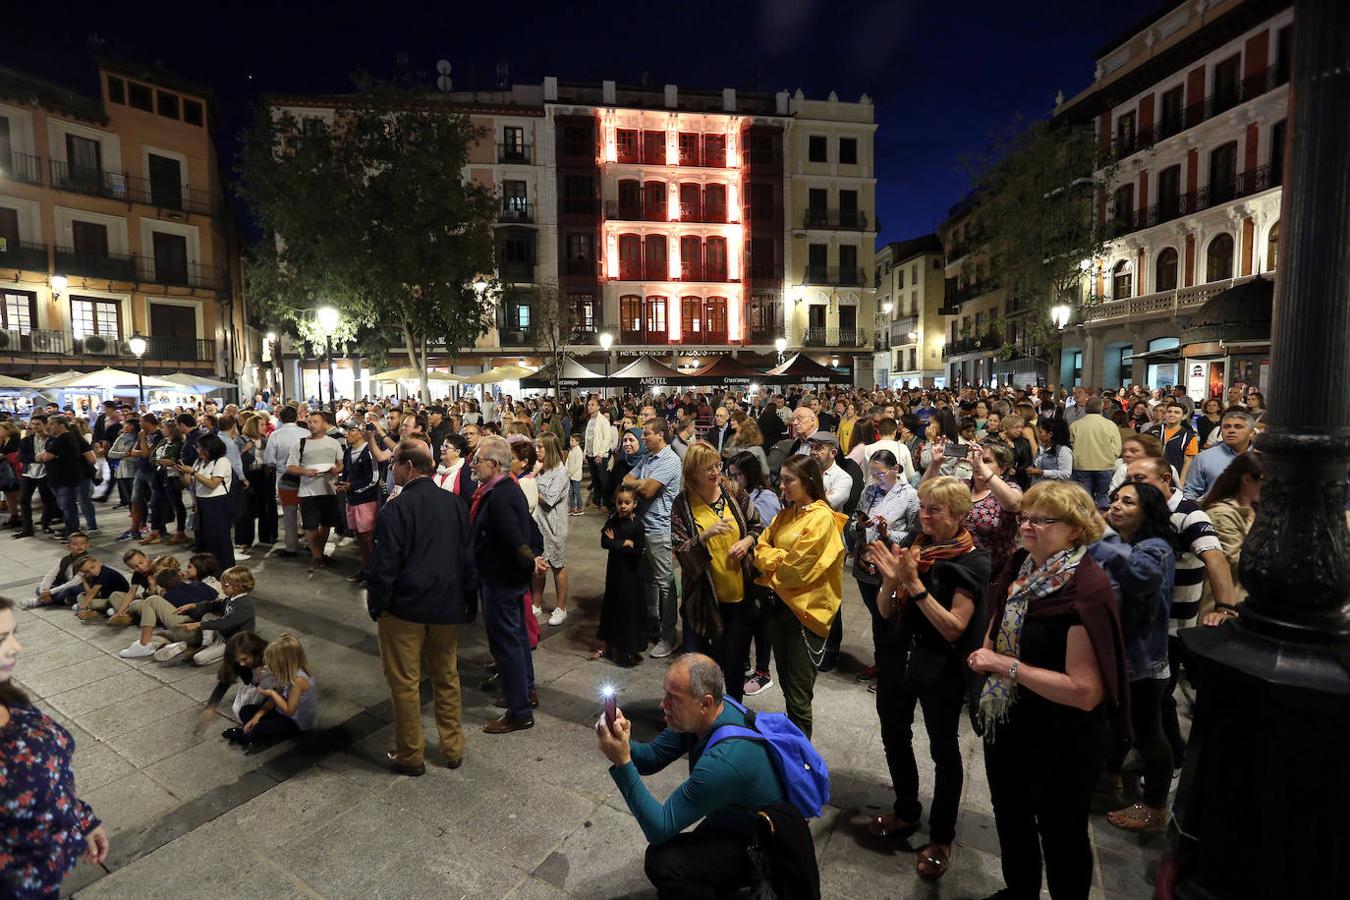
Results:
<point x="503" y="542"/>
<point x="852" y="468"/>
<point x="419" y="570"/>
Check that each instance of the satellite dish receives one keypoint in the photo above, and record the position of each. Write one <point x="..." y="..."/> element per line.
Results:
<point x="443" y="83"/>
<point x="443" y="66"/>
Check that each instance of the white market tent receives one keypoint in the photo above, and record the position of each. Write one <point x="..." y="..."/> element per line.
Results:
<point x="499" y="374"/>
<point x="407" y="373"/>
<point x="203" y="384"/>
<point x="17" y="384"/>
<point x="50" y="381"/>
<point x="110" y="378"/>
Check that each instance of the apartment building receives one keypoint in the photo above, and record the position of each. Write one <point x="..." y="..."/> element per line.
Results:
<point x="910" y="283"/>
<point x="1192" y="104"/>
<point x="113" y="222"/>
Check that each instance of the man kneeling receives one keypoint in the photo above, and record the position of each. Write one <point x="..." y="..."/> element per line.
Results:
<point x="725" y="786"/>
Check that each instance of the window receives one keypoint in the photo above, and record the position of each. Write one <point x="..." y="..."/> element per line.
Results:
<point x="914" y="274"/>
<point x="192" y="112"/>
<point x="715" y="318"/>
<point x="84" y="158"/>
<point x="1169" y="193"/>
<point x="913" y="303"/>
<point x="1125" y="133"/>
<point x="1121" y="280"/>
<point x="9" y="231"/>
<point x="170" y="259"/>
<point x="578" y="195"/>
<point x="630" y="199"/>
<point x="689" y="155"/>
<point x="94" y="316"/>
<point x="627" y="145"/>
<point x="19" y="312"/>
<point x="1223" y="173"/>
<point x="579" y="140"/>
<point x="763" y="148"/>
<point x="582" y="310"/>
<point x="691" y="258"/>
<point x="691" y="317"/>
<point x="89" y="239"/>
<point x="630" y="257"/>
<point x="848" y="265"/>
<point x="654" y="147"/>
<point x="515" y="200"/>
<point x="168" y="105"/>
<point x="1277" y="138"/>
<point x="166" y="182"/>
<point x="848" y="210"/>
<point x="580" y="247"/>
<point x="520" y="315"/>
<point x="817" y="203"/>
<point x="1284" y="54"/>
<point x="1219" y="258"/>
<point x="1273" y="247"/>
<point x="1226" y="78"/>
<point x="139" y="96"/>
<point x="817" y="148"/>
<point x="817" y="260"/>
<point x="1170" y="117"/>
<point x="848" y="151"/>
<point x="654" y="201"/>
<point x="630" y="314"/>
<point x="763" y="316"/>
<point x="691" y="205"/>
<point x="714" y="150"/>
<point x="715" y="203"/>
<point x="762" y="262"/>
<point x="655" y="267"/>
<point x="513" y="144"/>
<point x="1165" y="271"/>
<point x="656" y="316"/>
<point x="716" y="262"/>
<point x="117" y="90"/>
<point x="761" y="200"/>
<point x="1123" y="207"/>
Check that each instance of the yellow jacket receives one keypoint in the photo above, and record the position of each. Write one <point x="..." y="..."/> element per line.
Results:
<point x="846" y="435"/>
<point x="801" y="558"/>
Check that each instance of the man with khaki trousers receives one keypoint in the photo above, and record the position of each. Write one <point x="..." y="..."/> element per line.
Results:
<point x="418" y="580"/>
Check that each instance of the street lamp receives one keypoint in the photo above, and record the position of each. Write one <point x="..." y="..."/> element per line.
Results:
<point x="138" y="345"/>
<point x="327" y="317"/>
<point x="1059" y="314"/>
<point x="887" y="307"/>
<point x="606" y="341"/>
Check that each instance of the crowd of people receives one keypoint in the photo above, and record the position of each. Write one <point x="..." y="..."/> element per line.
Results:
<point x="1024" y="554"/>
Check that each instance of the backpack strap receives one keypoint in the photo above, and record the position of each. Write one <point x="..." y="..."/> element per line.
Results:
<point x="732" y="731"/>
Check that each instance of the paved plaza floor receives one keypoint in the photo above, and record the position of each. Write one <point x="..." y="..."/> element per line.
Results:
<point x="532" y="814"/>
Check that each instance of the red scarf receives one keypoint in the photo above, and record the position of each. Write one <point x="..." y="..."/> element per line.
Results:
<point x="930" y="552"/>
<point x="482" y="492"/>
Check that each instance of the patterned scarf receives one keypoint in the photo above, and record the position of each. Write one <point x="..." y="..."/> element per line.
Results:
<point x="930" y="551"/>
<point x="1033" y="582"/>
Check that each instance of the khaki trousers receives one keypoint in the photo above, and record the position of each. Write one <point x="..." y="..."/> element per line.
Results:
<point x="403" y="647"/>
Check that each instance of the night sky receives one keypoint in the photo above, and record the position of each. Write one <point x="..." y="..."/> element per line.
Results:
<point x="945" y="77"/>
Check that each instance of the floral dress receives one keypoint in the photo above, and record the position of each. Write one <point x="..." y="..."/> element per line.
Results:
<point x="42" y="832"/>
<point x="994" y="529"/>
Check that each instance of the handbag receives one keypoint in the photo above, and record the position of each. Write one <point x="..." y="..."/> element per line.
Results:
<point x="289" y="481"/>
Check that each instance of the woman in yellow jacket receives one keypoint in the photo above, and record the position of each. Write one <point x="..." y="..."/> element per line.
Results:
<point x="801" y="558"/>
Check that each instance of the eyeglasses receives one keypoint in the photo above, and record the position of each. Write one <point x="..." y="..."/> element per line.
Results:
<point x="1038" y="521"/>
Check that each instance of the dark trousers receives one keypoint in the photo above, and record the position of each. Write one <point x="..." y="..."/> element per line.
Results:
<point x="759" y="627"/>
<point x="1095" y="482"/>
<point x="704" y="863"/>
<point x="264" y="493"/>
<point x="731" y="647"/>
<point x="213" y="515"/>
<point x="503" y="619"/>
<point x="1041" y="800"/>
<point x="941" y="717"/>
<point x="245" y="515"/>
<point x="67" y="499"/>
<point x="1171" y="726"/>
<point x="271" y="727"/>
<point x="49" y="510"/>
<point x="869" y="599"/>
<point x="1146" y="719"/>
<point x="599" y="479"/>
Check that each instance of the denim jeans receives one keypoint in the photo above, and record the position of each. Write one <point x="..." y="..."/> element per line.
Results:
<point x="503" y="619"/>
<point x="85" y="494"/>
<point x="660" y="566"/>
<point x="67" y="499"/>
<point x="1095" y="482"/>
<point x="576" y="495"/>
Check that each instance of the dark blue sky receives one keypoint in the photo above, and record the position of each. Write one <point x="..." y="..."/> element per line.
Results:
<point x="945" y="76"/>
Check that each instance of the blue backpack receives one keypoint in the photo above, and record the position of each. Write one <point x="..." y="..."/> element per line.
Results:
<point x="801" y="770"/>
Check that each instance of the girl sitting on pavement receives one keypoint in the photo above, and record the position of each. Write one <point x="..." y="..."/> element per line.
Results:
<point x="162" y="611"/>
<point x="242" y="662"/>
<point x="204" y="568"/>
<point x="283" y="711"/>
<point x="215" y="621"/>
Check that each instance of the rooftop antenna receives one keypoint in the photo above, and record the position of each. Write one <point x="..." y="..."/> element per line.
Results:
<point x="503" y="74"/>
<point x="443" y="83"/>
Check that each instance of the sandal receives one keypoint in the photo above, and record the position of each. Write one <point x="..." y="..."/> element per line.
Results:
<point x="1139" y="818"/>
<point x="890" y="826"/>
<point x="932" y="861"/>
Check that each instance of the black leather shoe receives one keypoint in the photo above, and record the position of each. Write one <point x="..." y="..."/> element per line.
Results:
<point x="828" y="663"/>
<point x="23" y="533"/>
<point x="399" y="768"/>
<point x="454" y="763"/>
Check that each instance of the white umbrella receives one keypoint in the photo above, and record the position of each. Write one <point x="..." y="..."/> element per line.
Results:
<point x="55" y="378"/>
<point x="500" y="374"/>
<point x="407" y="373"/>
<point x="196" y="382"/>
<point x="111" y="378"/>
<point x="7" y="381"/>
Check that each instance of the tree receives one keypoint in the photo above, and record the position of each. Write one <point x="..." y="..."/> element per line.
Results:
<point x="367" y="210"/>
<point x="1036" y="213"/>
<point x="552" y="322"/>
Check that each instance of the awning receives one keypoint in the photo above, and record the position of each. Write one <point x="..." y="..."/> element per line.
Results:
<point x="407" y="373"/>
<point x="111" y="378"/>
<point x="726" y="371"/>
<point x="572" y="374"/>
<point x="646" y="371"/>
<point x="203" y="384"/>
<point x="18" y="384"/>
<point x="1170" y="354"/>
<point x="499" y="374"/>
<point x="802" y="369"/>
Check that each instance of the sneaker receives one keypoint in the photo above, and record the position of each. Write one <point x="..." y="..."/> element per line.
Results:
<point x="758" y="683"/>
<point x="119" y="621"/>
<point x="92" y="530"/>
<point x="872" y="685"/>
<point x="240" y="557"/>
<point x="128" y="535"/>
<point x="661" y="650"/>
<point x="138" y="651"/>
<point x="172" y="653"/>
<point x="59" y="536"/>
<point x="866" y="675"/>
<point x="558" y="616"/>
<point x="88" y="615"/>
<point x="284" y="554"/>
<point x="31" y="603"/>
<point x="357" y="576"/>
<point x="537" y="610"/>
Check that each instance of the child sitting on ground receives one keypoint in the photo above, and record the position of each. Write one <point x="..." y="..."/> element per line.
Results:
<point x="242" y="662"/>
<point x="62" y="585"/>
<point x="120" y="607"/>
<point x="215" y="620"/>
<point x="163" y="610"/>
<point x="621" y="611"/>
<point x="205" y="569"/>
<point x="285" y="710"/>
<point x="100" y="583"/>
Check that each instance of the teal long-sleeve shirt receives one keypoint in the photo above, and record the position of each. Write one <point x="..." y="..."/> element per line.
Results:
<point x="725" y="785"/>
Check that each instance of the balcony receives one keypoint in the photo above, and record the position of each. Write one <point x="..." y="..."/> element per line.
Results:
<point x="113" y="266"/>
<point x="584" y="336"/>
<point x="517" y="271"/>
<point x="836" y="219"/>
<point x="644" y="337"/>
<point x="1163" y="304"/>
<point x="23" y="167"/>
<point x="581" y="268"/>
<point x="766" y="334"/>
<point x="579" y="206"/>
<point x="955" y="294"/>
<point x="900" y="330"/>
<point x="846" y="276"/>
<point x="25" y="256"/>
<point x="181" y="197"/>
<point x="516" y="212"/>
<point x="93" y="182"/>
<point x="1243" y="184"/>
<point x="191" y="275"/>
<point x="66" y="343"/>
<point x="515" y="336"/>
<point x="829" y="336"/>
<point x="971" y="344"/>
<point x="1201" y="111"/>
<point x="515" y="153"/>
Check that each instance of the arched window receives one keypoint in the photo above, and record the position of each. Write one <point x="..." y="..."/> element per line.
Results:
<point x="691" y="258"/>
<point x="630" y="257"/>
<point x="1122" y="280"/>
<point x="715" y="261"/>
<point x="691" y="318"/>
<point x="630" y="316"/>
<point x="690" y="208"/>
<point x="715" y="203"/>
<point x="1273" y="247"/>
<point x="1219" y="258"/>
<point x="715" y="319"/>
<point x="655" y="267"/>
<point x="630" y="200"/>
<point x="1165" y="271"/>
<point x="654" y="201"/>
<point x="656" y="320"/>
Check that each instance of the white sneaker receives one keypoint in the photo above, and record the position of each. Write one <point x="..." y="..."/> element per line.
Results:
<point x="30" y="603"/>
<point x="538" y="611"/>
<point x="661" y="650"/>
<point x="558" y="616"/>
<point x="171" y="653"/>
<point x="138" y="651"/>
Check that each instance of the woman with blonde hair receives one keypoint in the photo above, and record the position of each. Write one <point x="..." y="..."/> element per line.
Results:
<point x="553" y="486"/>
<point x="748" y="438"/>
<point x="1055" y="661"/>
<point x="287" y="703"/>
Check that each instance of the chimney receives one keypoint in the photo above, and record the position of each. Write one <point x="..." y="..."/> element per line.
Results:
<point x="607" y="89"/>
<point x="728" y="99"/>
<point x="551" y="88"/>
<point x="672" y="96"/>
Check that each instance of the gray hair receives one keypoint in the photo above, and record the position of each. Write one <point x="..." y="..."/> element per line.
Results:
<point x="705" y="676"/>
<point x="1234" y="413"/>
<point x="496" y="448"/>
<point x="1093" y="405"/>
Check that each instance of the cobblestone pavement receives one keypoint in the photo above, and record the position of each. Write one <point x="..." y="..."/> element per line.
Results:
<point x="530" y="815"/>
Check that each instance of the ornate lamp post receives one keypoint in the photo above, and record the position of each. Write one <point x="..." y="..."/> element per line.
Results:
<point x="1264" y="799"/>
<point x="606" y="341"/>
<point x="138" y="345"/>
<point x="327" y="317"/>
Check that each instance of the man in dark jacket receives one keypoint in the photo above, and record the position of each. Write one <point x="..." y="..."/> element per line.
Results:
<point x="415" y="591"/>
<point x="504" y="558"/>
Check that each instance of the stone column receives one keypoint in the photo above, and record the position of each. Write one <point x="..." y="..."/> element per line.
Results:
<point x="1265" y="799"/>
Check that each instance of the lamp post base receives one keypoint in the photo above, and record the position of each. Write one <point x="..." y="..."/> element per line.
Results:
<point x="1264" y="799"/>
